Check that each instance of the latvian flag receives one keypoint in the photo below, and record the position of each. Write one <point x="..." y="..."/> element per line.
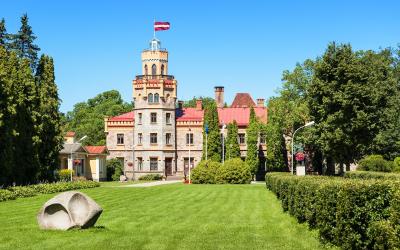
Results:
<point x="161" y="26"/>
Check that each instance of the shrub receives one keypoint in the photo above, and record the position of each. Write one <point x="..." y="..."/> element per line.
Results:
<point x="396" y="164"/>
<point x="150" y="177"/>
<point x="375" y="163"/>
<point x="65" y="174"/>
<point x="23" y="191"/>
<point x="6" y="195"/>
<point x="371" y="175"/>
<point x="205" y="172"/>
<point x="114" y="169"/>
<point x="234" y="171"/>
<point x="350" y="213"/>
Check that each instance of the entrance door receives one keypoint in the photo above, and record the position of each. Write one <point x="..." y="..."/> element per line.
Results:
<point x="168" y="166"/>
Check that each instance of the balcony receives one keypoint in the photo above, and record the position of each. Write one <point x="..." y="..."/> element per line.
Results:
<point x="153" y="80"/>
<point x="151" y="77"/>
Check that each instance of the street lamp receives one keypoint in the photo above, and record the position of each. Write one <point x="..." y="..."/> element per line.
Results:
<point x="308" y="124"/>
<point x="190" y="141"/>
<point x="72" y="160"/>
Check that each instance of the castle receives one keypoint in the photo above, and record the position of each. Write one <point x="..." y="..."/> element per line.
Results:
<point x="160" y="136"/>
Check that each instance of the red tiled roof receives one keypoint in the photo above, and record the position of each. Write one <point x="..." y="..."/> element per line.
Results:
<point x="241" y="115"/>
<point x="189" y="114"/>
<point x="243" y="100"/>
<point x="124" y="117"/>
<point x="70" y="134"/>
<point x="96" y="149"/>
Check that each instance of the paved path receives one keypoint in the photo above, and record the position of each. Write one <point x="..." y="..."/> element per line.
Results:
<point x="151" y="184"/>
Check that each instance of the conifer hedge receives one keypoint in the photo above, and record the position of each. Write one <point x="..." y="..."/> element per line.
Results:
<point x="350" y="213"/>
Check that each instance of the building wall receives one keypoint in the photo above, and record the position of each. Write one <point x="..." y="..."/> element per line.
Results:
<point x="125" y="150"/>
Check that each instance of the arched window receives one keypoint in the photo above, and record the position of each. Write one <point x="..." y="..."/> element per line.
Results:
<point x="154" y="70"/>
<point x="162" y="69"/>
<point x="146" y="72"/>
<point x="156" y="98"/>
<point x="150" y="99"/>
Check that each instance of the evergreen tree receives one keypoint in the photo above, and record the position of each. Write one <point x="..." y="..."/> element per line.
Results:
<point x="232" y="143"/>
<point x="214" y="148"/>
<point x="3" y="34"/>
<point x="22" y="43"/>
<point x="48" y="124"/>
<point x="252" y="142"/>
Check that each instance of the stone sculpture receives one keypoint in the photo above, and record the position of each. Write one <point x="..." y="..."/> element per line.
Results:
<point x="69" y="210"/>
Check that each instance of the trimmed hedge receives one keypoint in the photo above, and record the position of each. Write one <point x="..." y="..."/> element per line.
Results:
<point x="371" y="175"/>
<point x="150" y="177"/>
<point x="350" y="213"/>
<point x="205" y="172"/>
<point x="12" y="193"/>
<point x="234" y="171"/>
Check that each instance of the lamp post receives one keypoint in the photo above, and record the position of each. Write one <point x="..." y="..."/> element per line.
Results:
<point x="72" y="160"/>
<point x="308" y="124"/>
<point x="190" y="141"/>
<point x="223" y="143"/>
<point x="206" y="130"/>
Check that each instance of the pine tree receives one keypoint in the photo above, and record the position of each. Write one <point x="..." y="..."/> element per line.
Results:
<point x="214" y="148"/>
<point x="232" y="143"/>
<point x="252" y="142"/>
<point x="48" y="124"/>
<point x="22" y="43"/>
<point x="3" y="34"/>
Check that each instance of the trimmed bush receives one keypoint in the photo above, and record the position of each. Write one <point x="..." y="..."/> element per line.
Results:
<point x="205" y="172"/>
<point x="65" y="174"/>
<point x="46" y="188"/>
<point x="6" y="195"/>
<point x="350" y="213"/>
<point x="150" y="177"/>
<point x="371" y="175"/>
<point x="234" y="171"/>
<point x="375" y="163"/>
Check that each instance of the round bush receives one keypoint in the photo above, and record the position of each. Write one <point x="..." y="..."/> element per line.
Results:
<point x="375" y="163"/>
<point x="234" y="171"/>
<point x="205" y="172"/>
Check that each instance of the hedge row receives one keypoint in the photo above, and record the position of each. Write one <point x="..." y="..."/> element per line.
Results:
<point x="150" y="177"/>
<point x="12" y="193"/>
<point x="371" y="175"/>
<point x="350" y="213"/>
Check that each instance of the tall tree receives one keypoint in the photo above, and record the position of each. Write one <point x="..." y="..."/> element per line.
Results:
<point x="252" y="142"/>
<point x="87" y="118"/>
<point x="49" y="120"/>
<point x="192" y="102"/>
<point x="3" y="34"/>
<point x="214" y="146"/>
<point x="23" y="43"/>
<point x="232" y="143"/>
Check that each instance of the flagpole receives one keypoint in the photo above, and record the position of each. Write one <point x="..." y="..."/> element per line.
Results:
<point x="154" y="30"/>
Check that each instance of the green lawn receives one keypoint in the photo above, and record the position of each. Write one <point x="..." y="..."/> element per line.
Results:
<point x="175" y="216"/>
<point x="118" y="183"/>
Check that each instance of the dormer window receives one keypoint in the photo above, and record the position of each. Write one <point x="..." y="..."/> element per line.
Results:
<point x="150" y="98"/>
<point x="156" y="98"/>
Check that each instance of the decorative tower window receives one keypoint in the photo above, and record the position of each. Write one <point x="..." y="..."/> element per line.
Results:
<point x="156" y="98"/>
<point x="154" y="70"/>
<point x="146" y="71"/>
<point x="150" y="98"/>
<point x="162" y="69"/>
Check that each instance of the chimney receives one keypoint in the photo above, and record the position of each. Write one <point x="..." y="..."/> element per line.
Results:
<point x="199" y="104"/>
<point x="219" y="96"/>
<point x="180" y="104"/>
<point x="261" y="102"/>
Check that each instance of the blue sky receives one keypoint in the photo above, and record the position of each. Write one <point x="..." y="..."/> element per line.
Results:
<point x="242" y="45"/>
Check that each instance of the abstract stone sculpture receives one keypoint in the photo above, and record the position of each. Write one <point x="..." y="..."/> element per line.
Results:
<point x="69" y="210"/>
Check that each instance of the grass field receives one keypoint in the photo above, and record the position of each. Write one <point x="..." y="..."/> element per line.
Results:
<point x="175" y="216"/>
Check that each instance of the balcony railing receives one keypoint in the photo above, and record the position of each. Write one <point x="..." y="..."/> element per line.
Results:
<point x="154" y="77"/>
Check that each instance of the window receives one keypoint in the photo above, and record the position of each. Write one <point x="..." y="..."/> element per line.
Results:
<point x="140" y="163"/>
<point x="262" y="138"/>
<point x="153" y="117"/>
<point x="189" y="138"/>
<point x="150" y="98"/>
<point x="146" y="72"/>
<point x="168" y="118"/>
<point x="153" y="138"/>
<point x="168" y="138"/>
<point x="153" y="164"/>
<point x="154" y="70"/>
<point x="162" y="69"/>
<point x="242" y="138"/>
<point x="139" y="118"/>
<point x="120" y="138"/>
<point x="156" y="98"/>
<point x="140" y="137"/>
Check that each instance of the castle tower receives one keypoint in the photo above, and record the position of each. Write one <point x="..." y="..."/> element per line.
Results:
<point x="154" y="95"/>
